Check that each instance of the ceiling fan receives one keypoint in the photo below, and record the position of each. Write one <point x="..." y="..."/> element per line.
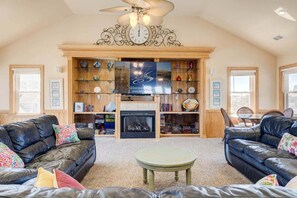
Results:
<point x="148" y="12"/>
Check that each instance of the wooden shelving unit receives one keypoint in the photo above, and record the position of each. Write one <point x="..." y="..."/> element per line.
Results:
<point x="187" y="62"/>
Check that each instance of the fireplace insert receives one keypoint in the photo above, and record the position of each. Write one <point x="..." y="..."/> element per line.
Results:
<point x="138" y="124"/>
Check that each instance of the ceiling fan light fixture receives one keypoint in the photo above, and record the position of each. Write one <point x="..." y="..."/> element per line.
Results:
<point x="133" y="16"/>
<point x="146" y="19"/>
<point x="133" y="23"/>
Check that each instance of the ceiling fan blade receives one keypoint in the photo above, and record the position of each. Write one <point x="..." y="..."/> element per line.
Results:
<point x="138" y="3"/>
<point x="156" y="20"/>
<point x="124" y="19"/>
<point x="116" y="9"/>
<point x="159" y="7"/>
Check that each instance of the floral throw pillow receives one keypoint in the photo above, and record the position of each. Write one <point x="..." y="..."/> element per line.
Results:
<point x="269" y="180"/>
<point x="65" y="134"/>
<point x="9" y="159"/>
<point x="288" y="143"/>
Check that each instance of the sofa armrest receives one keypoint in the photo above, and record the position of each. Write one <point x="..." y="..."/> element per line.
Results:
<point x="252" y="133"/>
<point x="86" y="134"/>
<point x="16" y="175"/>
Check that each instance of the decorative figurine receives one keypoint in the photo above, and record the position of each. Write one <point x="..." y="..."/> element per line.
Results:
<point x="110" y="65"/>
<point x="178" y="78"/>
<point x="97" y="64"/>
<point x="96" y="78"/>
<point x="191" y="65"/>
<point x="190" y="77"/>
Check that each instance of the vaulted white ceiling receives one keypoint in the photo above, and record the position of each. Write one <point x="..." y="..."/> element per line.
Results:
<point x="251" y="20"/>
<point x="19" y="18"/>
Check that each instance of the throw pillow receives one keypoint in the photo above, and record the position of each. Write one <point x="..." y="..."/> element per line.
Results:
<point x="61" y="180"/>
<point x="65" y="134"/>
<point x="292" y="184"/>
<point x="269" y="180"/>
<point x="9" y="159"/>
<point x="44" y="178"/>
<point x="288" y="143"/>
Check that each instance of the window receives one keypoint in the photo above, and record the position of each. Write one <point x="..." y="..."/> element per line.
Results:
<point x="290" y="88"/>
<point x="242" y="88"/>
<point x="26" y="89"/>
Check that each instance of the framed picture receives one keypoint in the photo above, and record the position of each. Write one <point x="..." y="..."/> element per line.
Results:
<point x="79" y="107"/>
<point x="56" y="93"/>
<point x="216" y="94"/>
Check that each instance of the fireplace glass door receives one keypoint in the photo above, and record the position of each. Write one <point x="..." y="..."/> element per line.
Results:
<point x="138" y="124"/>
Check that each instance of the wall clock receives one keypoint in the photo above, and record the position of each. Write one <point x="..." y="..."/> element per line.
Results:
<point x="139" y="34"/>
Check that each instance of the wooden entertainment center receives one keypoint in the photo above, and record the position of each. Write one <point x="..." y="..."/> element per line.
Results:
<point x="92" y="66"/>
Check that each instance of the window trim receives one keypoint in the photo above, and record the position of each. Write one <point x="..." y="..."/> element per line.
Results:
<point x="12" y="88"/>
<point x="256" y="96"/>
<point x="281" y="95"/>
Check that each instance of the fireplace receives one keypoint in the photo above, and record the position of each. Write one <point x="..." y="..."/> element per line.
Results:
<point x="138" y="124"/>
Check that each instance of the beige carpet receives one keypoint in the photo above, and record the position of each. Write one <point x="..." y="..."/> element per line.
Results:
<point x="115" y="164"/>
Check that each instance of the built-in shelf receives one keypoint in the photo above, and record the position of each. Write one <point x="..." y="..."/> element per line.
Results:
<point x="92" y="112"/>
<point x="186" y="81"/>
<point x="89" y="80"/>
<point x="93" y="68"/>
<point x="187" y="69"/>
<point x="179" y="134"/>
<point x="86" y="93"/>
<point x="104" y="135"/>
<point x="178" y="112"/>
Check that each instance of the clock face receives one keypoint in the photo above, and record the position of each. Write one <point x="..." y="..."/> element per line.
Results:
<point x="139" y="34"/>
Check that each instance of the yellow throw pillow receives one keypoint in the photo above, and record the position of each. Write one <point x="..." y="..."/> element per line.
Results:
<point x="44" y="178"/>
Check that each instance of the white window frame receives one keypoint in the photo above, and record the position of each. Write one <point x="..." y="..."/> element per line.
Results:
<point x="253" y="72"/>
<point x="285" y="86"/>
<point x="14" y="100"/>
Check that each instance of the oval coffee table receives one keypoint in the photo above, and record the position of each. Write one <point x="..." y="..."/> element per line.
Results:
<point x="164" y="159"/>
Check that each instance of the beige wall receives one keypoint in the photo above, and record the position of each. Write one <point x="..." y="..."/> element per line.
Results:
<point x="41" y="48"/>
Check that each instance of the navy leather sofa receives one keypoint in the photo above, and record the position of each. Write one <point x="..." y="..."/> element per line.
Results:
<point x="34" y="141"/>
<point x="253" y="151"/>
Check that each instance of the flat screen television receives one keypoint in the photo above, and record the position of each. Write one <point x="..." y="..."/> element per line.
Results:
<point x="142" y="78"/>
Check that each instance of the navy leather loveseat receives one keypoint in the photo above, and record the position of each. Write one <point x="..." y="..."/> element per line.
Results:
<point x="253" y="151"/>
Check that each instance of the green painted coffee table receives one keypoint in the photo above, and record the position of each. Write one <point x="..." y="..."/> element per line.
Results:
<point x="164" y="159"/>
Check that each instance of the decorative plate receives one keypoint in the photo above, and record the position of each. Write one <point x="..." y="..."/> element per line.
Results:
<point x="83" y="64"/>
<point x="190" y="104"/>
<point x="97" y="64"/>
<point x="97" y="90"/>
<point x="191" y="90"/>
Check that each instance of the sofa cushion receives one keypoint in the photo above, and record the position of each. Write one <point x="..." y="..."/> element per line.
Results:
<point x="262" y="152"/>
<point x="4" y="138"/>
<point x="44" y="179"/>
<point x="240" y="144"/>
<point x="288" y="143"/>
<point x="29" y="153"/>
<point x="65" y="134"/>
<point x="22" y="134"/>
<point x="8" y="158"/>
<point x="273" y="127"/>
<point x="63" y="164"/>
<point x="287" y="168"/>
<point x="76" y="152"/>
<point x="44" y="125"/>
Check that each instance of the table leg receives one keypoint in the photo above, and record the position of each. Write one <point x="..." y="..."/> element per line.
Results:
<point x="145" y="175"/>
<point x="188" y="176"/>
<point x="151" y="180"/>
<point x="176" y="176"/>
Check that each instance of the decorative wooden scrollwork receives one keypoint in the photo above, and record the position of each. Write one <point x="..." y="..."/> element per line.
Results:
<point x="118" y="35"/>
